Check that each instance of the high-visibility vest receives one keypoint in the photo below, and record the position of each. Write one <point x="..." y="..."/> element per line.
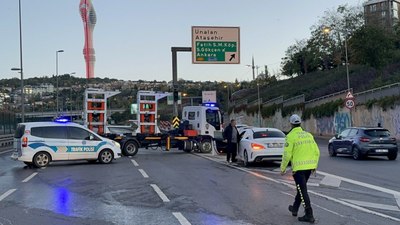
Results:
<point x="301" y="150"/>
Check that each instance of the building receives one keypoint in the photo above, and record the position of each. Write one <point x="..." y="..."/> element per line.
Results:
<point x="382" y="13"/>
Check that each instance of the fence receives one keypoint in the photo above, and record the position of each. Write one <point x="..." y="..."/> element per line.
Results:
<point x="8" y="122"/>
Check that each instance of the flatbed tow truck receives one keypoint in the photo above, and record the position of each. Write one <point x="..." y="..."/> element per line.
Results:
<point x="200" y="128"/>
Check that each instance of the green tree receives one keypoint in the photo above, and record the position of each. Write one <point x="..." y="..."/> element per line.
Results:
<point x="373" y="46"/>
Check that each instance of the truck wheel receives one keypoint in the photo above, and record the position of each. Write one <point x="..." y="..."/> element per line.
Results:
<point x="130" y="148"/>
<point x="206" y="146"/>
<point x="187" y="146"/>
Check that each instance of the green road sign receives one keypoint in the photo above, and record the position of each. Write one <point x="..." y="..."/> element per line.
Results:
<point x="215" y="45"/>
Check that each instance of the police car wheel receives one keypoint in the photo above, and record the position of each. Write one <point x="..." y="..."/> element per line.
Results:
<point x="130" y="149"/>
<point x="41" y="159"/>
<point x="106" y="156"/>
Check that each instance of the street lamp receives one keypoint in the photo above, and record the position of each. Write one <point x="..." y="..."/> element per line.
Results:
<point x="327" y="30"/>
<point x="259" y="104"/>
<point x="57" y="79"/>
<point x="20" y="69"/>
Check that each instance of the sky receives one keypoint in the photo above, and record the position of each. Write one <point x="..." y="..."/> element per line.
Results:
<point x="133" y="39"/>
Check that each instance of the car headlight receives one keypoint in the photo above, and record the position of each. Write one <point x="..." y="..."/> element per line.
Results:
<point x="116" y="144"/>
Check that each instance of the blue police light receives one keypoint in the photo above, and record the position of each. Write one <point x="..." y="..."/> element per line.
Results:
<point x="210" y="104"/>
<point x="62" y="120"/>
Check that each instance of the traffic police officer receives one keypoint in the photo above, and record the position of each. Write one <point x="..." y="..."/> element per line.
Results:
<point x="303" y="154"/>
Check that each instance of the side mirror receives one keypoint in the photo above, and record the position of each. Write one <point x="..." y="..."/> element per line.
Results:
<point x="337" y="136"/>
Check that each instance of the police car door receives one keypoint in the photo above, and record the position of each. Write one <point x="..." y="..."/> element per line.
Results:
<point x="82" y="144"/>
<point x="52" y="138"/>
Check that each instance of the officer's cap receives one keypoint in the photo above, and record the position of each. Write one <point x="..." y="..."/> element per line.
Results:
<point x="295" y="119"/>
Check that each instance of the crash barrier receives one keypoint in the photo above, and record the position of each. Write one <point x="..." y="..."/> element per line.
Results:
<point x="6" y="141"/>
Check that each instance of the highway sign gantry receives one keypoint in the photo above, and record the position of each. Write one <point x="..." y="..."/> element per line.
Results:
<point x="215" y="45"/>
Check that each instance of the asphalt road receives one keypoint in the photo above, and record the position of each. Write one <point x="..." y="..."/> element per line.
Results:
<point x="158" y="187"/>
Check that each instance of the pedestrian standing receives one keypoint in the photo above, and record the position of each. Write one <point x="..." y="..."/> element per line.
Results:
<point x="231" y="134"/>
<point x="302" y="152"/>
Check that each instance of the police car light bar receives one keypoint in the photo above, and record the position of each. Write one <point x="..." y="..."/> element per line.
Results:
<point x="61" y="120"/>
<point x="210" y="104"/>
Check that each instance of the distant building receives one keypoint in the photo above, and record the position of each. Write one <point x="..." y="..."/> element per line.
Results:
<point x="382" y="13"/>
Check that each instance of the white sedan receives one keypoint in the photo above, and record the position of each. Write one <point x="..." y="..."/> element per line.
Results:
<point x="261" y="144"/>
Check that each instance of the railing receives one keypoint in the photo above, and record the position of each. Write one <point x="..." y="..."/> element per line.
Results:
<point x="6" y="141"/>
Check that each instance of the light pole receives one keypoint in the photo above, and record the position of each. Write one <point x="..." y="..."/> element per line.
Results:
<point x="259" y="104"/>
<point x="21" y="68"/>
<point x="57" y="80"/>
<point x="227" y="88"/>
<point x="22" y="94"/>
<point x="327" y="30"/>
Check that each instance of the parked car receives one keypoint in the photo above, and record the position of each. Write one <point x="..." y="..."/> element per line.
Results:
<point x="39" y="143"/>
<point x="242" y="127"/>
<point x="261" y="144"/>
<point x="364" y="141"/>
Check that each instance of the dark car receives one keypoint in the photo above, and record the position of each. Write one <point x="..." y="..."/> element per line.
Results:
<point x="364" y="141"/>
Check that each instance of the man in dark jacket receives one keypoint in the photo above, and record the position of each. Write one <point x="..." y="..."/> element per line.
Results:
<point x="231" y="134"/>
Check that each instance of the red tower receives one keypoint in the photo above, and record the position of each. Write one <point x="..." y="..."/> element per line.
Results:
<point x="89" y="20"/>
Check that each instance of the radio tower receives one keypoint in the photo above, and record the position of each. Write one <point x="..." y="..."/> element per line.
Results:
<point x="89" y="20"/>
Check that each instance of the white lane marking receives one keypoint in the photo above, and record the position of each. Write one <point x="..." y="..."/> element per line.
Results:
<point x="30" y="177"/>
<point x="9" y="192"/>
<point x="160" y="193"/>
<point x="315" y="193"/>
<point x="373" y="205"/>
<point x="355" y="206"/>
<point x="397" y="197"/>
<point x="329" y="181"/>
<point x="323" y="208"/>
<point x="182" y="220"/>
<point x="7" y="151"/>
<point x="134" y="162"/>
<point x="377" y="188"/>
<point x="144" y="174"/>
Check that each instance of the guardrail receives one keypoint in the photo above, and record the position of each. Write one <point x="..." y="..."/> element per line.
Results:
<point x="6" y="140"/>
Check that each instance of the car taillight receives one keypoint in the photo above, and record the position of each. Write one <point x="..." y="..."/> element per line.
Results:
<point x="364" y="139"/>
<point x="256" y="146"/>
<point x="24" y="142"/>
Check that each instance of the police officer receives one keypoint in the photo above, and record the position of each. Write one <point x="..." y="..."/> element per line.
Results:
<point x="303" y="153"/>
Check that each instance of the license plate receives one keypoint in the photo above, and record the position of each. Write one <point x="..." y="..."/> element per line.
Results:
<point x="381" y="150"/>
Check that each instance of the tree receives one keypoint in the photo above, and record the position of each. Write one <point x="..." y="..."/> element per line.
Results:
<point x="373" y="46"/>
<point x="330" y="32"/>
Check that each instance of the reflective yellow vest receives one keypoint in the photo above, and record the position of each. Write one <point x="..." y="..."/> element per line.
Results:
<point x="301" y="150"/>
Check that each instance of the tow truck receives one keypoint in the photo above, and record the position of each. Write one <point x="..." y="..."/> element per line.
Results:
<point x="200" y="128"/>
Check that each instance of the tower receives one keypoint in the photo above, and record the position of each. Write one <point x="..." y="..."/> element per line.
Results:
<point x="89" y="21"/>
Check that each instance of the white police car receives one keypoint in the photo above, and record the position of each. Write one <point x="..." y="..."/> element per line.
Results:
<point x="39" y="143"/>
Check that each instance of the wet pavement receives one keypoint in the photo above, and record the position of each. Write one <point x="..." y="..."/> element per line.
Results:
<point x="158" y="187"/>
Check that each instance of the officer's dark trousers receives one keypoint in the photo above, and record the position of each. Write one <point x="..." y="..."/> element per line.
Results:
<point x="231" y="151"/>
<point x="301" y="178"/>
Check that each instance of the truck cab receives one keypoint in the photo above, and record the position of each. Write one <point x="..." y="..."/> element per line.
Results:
<point x="207" y="121"/>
